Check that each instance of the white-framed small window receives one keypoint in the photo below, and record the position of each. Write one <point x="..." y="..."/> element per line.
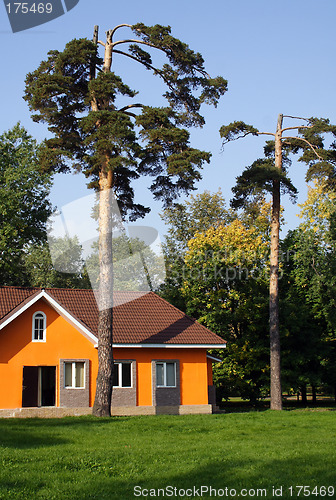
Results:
<point x="39" y="327"/>
<point x="165" y="374"/>
<point x="122" y="375"/>
<point x="74" y="374"/>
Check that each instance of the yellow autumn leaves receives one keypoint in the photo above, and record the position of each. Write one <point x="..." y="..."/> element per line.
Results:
<point x="224" y="265"/>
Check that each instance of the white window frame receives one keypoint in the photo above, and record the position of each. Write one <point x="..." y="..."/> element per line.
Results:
<point x="73" y="374"/>
<point x="44" y="317"/>
<point x="164" y="363"/>
<point x="117" y="364"/>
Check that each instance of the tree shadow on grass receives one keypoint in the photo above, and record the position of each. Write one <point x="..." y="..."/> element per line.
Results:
<point x="28" y="438"/>
<point x="260" y="406"/>
<point x="262" y="474"/>
<point x="25" y="433"/>
<point x="235" y="475"/>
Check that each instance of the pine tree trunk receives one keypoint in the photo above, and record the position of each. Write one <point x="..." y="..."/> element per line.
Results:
<point x="103" y="397"/>
<point x="314" y="396"/>
<point x="104" y="383"/>
<point x="275" y="366"/>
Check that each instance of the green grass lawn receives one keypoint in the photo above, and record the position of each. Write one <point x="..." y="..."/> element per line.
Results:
<point x="84" y="457"/>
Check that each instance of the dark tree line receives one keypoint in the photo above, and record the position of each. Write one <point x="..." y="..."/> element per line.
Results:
<point x="213" y="282"/>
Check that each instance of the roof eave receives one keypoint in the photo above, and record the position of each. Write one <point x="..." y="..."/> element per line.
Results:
<point x="170" y="346"/>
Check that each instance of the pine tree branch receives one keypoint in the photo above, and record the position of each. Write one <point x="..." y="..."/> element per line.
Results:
<point x="142" y="42"/>
<point x="296" y="117"/>
<point x="147" y="65"/>
<point x="244" y="135"/>
<point x="138" y="105"/>
<point x="130" y="40"/>
<point x="101" y="43"/>
<point x="119" y="26"/>
<point x="304" y="140"/>
<point x="296" y="128"/>
<point x="265" y="133"/>
<point x="202" y="72"/>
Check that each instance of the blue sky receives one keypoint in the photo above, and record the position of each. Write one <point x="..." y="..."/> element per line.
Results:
<point x="278" y="57"/>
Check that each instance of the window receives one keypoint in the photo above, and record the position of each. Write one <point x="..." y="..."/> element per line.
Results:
<point x="74" y="375"/>
<point x="122" y="376"/>
<point x="39" y="327"/>
<point x="165" y="374"/>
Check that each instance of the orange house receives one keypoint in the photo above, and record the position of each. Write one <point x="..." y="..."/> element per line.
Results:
<point x="49" y="361"/>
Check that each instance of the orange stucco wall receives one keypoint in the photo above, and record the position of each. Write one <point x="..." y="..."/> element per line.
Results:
<point x="193" y="372"/>
<point x="18" y="350"/>
<point x="63" y="341"/>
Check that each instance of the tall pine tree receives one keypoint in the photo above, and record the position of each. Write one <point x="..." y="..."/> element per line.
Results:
<point x="269" y="174"/>
<point x="100" y="128"/>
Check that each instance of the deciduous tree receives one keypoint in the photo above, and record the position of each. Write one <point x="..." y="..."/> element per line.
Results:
<point x="67" y="255"/>
<point x="197" y="214"/>
<point x="311" y="283"/>
<point x="24" y="203"/>
<point x="225" y="288"/>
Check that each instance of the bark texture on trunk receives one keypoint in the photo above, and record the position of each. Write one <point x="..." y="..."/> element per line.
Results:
<point x="104" y="383"/>
<point x="102" y="404"/>
<point x="275" y="357"/>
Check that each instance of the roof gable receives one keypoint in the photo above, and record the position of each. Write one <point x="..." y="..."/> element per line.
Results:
<point x="138" y="319"/>
<point x="36" y="295"/>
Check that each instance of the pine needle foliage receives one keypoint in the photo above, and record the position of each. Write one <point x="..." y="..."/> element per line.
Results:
<point x="130" y="139"/>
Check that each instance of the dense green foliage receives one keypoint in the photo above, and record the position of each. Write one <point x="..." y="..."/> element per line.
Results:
<point x="24" y="204"/>
<point x="310" y="143"/>
<point x="217" y="273"/>
<point x="135" y="266"/>
<point x="257" y="179"/>
<point x="309" y="293"/>
<point x="184" y="220"/>
<point x="225" y="288"/>
<point x="82" y="458"/>
<point x="67" y="270"/>
<point x="219" y="276"/>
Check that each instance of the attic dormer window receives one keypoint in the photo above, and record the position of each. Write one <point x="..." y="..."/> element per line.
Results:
<point x="39" y="327"/>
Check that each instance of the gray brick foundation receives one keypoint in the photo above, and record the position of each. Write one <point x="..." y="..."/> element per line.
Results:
<point x="53" y="412"/>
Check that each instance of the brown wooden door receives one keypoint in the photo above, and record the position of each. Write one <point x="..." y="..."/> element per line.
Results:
<point x="30" y="386"/>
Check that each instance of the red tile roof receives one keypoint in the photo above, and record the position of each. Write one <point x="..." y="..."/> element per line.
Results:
<point x="137" y="318"/>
